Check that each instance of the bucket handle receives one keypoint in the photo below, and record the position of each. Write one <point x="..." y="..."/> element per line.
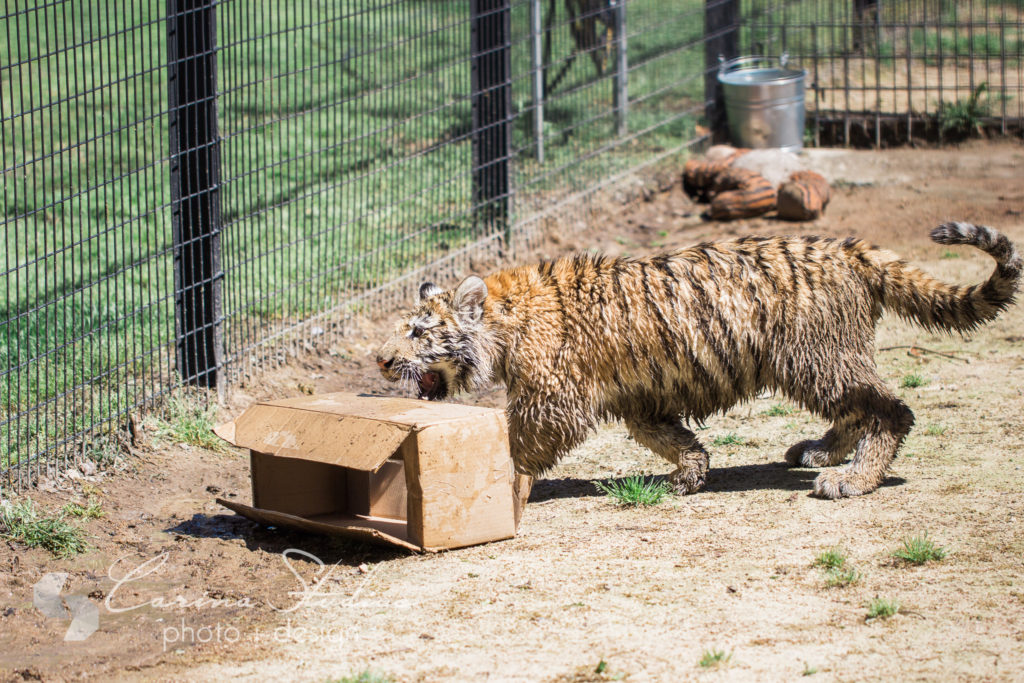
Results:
<point x="740" y="62"/>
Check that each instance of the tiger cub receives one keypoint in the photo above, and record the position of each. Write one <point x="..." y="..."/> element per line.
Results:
<point x="663" y="341"/>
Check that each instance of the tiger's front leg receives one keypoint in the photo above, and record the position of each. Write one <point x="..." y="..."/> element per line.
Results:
<point x="544" y="428"/>
<point x="668" y="438"/>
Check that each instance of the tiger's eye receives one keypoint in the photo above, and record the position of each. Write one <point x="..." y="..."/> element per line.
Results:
<point x="416" y="332"/>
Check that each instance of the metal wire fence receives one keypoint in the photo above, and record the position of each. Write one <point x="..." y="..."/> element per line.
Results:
<point x="884" y="72"/>
<point x="191" y="186"/>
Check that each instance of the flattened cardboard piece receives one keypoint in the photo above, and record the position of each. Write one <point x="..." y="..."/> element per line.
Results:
<point x="361" y="529"/>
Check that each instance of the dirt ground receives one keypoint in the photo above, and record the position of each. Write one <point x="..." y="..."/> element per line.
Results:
<point x="646" y="591"/>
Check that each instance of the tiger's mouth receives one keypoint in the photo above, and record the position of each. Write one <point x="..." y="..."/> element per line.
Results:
<point x="433" y="386"/>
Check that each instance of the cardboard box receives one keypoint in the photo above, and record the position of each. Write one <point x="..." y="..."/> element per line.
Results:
<point x="416" y="474"/>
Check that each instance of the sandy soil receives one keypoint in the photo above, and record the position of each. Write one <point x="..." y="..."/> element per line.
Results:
<point x="647" y="591"/>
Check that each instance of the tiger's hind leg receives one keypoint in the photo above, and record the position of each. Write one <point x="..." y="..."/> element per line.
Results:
<point x="829" y="450"/>
<point x="668" y="438"/>
<point x="883" y="422"/>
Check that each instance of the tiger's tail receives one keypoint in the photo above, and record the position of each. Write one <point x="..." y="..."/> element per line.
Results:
<point x="914" y="295"/>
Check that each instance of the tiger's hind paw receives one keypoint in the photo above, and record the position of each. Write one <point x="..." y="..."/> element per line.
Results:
<point x="687" y="481"/>
<point x="808" y="453"/>
<point x="842" y="483"/>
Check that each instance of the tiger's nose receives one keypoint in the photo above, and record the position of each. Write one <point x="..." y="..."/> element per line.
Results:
<point x="385" y="364"/>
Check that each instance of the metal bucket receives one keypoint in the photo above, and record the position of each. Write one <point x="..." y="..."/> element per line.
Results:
<point x="764" y="102"/>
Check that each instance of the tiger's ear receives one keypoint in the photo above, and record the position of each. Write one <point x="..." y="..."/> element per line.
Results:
<point x="468" y="301"/>
<point x="429" y="289"/>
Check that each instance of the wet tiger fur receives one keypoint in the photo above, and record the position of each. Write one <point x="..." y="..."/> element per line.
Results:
<point x="663" y="341"/>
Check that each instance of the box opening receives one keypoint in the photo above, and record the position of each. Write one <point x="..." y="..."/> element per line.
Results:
<point x="334" y="495"/>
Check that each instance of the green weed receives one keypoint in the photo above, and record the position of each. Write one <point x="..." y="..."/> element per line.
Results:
<point x="882" y="608"/>
<point x="838" y="573"/>
<point x="635" y="490"/>
<point x="364" y="677"/>
<point x="919" y="550"/>
<point x="189" y="417"/>
<point x="840" y="577"/>
<point x="947" y="254"/>
<point x="779" y="410"/>
<point x="92" y="509"/>
<point x="729" y="439"/>
<point x="935" y="430"/>
<point x="25" y="523"/>
<point x="912" y="381"/>
<point x="833" y="558"/>
<point x="961" y="119"/>
<point x="714" y="658"/>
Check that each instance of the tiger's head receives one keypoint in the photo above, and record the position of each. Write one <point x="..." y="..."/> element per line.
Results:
<point x="440" y="346"/>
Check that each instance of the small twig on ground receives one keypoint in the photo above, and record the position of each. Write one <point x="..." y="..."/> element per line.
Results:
<point x="914" y="347"/>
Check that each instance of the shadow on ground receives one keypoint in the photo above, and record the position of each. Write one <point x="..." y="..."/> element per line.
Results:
<point x="760" y="477"/>
<point x="277" y="540"/>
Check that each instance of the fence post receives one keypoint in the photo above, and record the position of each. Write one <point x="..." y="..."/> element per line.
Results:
<point x="537" y="75"/>
<point x="195" y="185"/>
<point x="721" y="32"/>
<point x="620" y="82"/>
<point x="491" y="83"/>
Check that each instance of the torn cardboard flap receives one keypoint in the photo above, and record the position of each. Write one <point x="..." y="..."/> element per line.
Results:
<point x="406" y="472"/>
<point x="327" y="437"/>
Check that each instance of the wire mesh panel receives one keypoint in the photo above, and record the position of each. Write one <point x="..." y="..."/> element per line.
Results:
<point x="86" y="322"/>
<point x="928" y="67"/>
<point x="347" y="155"/>
<point x="622" y="86"/>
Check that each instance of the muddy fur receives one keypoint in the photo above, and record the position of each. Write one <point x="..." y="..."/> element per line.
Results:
<point x="666" y="341"/>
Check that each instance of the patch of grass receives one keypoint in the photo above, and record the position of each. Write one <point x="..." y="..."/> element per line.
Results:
<point x="833" y="558"/>
<point x="935" y="430"/>
<point x="189" y="418"/>
<point x="947" y="254"/>
<point x="635" y="490"/>
<point x="920" y="550"/>
<point x="809" y="670"/>
<point x="840" y="577"/>
<point x="715" y="657"/>
<point x="364" y="677"/>
<point x="882" y="608"/>
<point x="961" y="119"/>
<point x="838" y="573"/>
<point x="92" y="509"/>
<point x="25" y="523"/>
<point x="729" y="439"/>
<point x="912" y="381"/>
<point x="779" y="410"/>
